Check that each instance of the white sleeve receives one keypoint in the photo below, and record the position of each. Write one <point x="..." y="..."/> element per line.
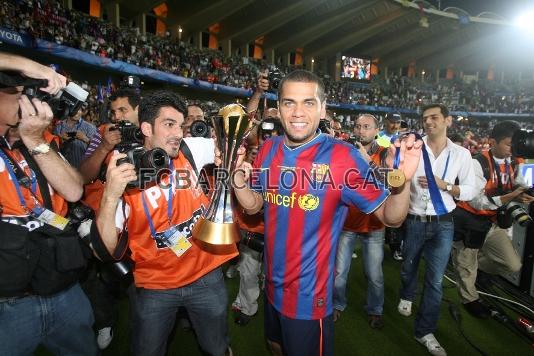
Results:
<point x="120" y="217"/>
<point x="202" y="149"/>
<point x="466" y="176"/>
<point x="481" y="201"/>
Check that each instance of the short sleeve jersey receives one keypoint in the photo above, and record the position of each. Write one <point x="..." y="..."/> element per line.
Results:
<point x="306" y="192"/>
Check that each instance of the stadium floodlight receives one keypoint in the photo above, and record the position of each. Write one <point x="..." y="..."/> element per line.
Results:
<point x="526" y="21"/>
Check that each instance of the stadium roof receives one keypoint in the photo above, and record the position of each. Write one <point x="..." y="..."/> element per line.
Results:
<point x="474" y="37"/>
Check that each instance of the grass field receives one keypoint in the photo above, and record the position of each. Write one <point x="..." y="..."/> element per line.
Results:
<point x="352" y="334"/>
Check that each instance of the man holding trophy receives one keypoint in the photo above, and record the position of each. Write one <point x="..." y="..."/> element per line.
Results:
<point x="305" y="182"/>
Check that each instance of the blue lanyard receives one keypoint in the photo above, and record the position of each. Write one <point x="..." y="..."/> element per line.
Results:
<point x="15" y="180"/>
<point x="169" y="204"/>
<point x="435" y="194"/>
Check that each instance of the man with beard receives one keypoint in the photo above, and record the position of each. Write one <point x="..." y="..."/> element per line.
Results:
<point x="369" y="229"/>
<point x="306" y="180"/>
<point x="172" y="270"/>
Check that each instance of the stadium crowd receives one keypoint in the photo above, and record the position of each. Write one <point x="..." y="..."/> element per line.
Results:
<point x="50" y="21"/>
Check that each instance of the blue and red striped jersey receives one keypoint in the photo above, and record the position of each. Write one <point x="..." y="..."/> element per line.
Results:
<point x="306" y="192"/>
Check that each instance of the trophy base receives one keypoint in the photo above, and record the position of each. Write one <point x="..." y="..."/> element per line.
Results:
<point x="216" y="233"/>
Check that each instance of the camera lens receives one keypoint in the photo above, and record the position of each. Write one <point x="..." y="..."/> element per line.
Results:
<point x="199" y="129"/>
<point x="523" y="144"/>
<point x="155" y="159"/>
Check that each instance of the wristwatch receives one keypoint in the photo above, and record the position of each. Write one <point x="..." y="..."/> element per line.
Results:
<point x="40" y="149"/>
<point x="449" y="187"/>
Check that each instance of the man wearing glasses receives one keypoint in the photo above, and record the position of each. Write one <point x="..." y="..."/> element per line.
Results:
<point x="366" y="227"/>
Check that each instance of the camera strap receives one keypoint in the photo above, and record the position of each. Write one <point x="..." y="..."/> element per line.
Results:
<point x="153" y="231"/>
<point x="19" y="178"/>
<point x="498" y="174"/>
<point x="189" y="156"/>
<point x="41" y="180"/>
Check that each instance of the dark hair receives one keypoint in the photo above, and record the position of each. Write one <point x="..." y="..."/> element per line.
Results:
<point x="442" y="108"/>
<point x="303" y="76"/>
<point x="198" y="105"/>
<point x="152" y="103"/>
<point x="456" y="137"/>
<point x="504" y="129"/>
<point x="133" y="97"/>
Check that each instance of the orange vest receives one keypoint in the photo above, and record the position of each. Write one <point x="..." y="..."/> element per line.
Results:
<point x="9" y="201"/>
<point x="492" y="184"/>
<point x="94" y="191"/>
<point x="357" y="221"/>
<point x="160" y="268"/>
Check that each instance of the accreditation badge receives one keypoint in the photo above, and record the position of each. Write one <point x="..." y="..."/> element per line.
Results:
<point x="175" y="240"/>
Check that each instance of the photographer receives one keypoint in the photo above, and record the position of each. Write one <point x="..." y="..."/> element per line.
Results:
<point x="41" y="257"/>
<point x="124" y="107"/>
<point x="76" y="133"/>
<point x="366" y="227"/>
<point x="194" y="114"/>
<point x="171" y="268"/>
<point x="480" y="240"/>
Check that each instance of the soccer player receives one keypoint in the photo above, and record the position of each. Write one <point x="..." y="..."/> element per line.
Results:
<point x="305" y="184"/>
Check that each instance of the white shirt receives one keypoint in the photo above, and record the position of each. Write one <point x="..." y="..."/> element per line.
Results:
<point x="460" y="166"/>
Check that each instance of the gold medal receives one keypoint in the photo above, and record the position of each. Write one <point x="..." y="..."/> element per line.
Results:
<point x="396" y="178"/>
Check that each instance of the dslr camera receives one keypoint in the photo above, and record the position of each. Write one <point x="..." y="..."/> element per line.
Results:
<point x="274" y="76"/>
<point x="325" y="126"/>
<point x="65" y="103"/>
<point x="200" y="128"/>
<point x="147" y="162"/>
<point x="131" y="135"/>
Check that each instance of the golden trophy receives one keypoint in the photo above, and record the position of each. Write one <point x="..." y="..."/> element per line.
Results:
<point x="216" y="226"/>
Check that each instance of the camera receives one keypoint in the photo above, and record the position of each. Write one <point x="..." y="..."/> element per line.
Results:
<point x="354" y="140"/>
<point x="274" y="77"/>
<point x="270" y="127"/>
<point x="514" y="211"/>
<point x="523" y="144"/>
<point x="131" y="135"/>
<point x="200" y="128"/>
<point x="80" y="219"/>
<point x="325" y="126"/>
<point x="71" y="135"/>
<point x="131" y="81"/>
<point x="65" y="103"/>
<point x="253" y="240"/>
<point x="147" y="164"/>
